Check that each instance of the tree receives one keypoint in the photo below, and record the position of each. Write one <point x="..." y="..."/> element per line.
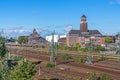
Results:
<point x="11" y="40"/>
<point x="22" y="39"/>
<point x="108" y="39"/>
<point x="5" y="72"/>
<point x="3" y="49"/>
<point x="98" y="48"/>
<point x="23" y="71"/>
<point x="78" y="47"/>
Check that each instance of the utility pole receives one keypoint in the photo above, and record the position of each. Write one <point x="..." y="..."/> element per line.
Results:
<point x="119" y="47"/>
<point x="52" y="49"/>
<point x="89" y="56"/>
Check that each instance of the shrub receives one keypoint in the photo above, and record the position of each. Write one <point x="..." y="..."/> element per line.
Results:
<point x="82" y="60"/>
<point x="105" y="77"/>
<point x="66" y="57"/>
<point x="50" y="65"/>
<point x="98" y="48"/>
<point x="92" y="76"/>
<point x="17" y="58"/>
<point x="23" y="71"/>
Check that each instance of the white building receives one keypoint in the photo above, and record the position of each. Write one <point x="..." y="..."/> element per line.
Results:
<point x="49" y="38"/>
<point x="56" y="37"/>
<point x="62" y="36"/>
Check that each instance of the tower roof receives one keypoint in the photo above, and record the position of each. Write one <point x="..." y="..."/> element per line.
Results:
<point x="34" y="30"/>
<point x="83" y="16"/>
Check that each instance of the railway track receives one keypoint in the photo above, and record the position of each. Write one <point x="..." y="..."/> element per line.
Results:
<point x="114" y="72"/>
<point x="116" y="63"/>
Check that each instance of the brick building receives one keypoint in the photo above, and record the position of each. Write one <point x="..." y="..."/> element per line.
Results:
<point x="36" y="39"/>
<point x="62" y="41"/>
<point x="83" y="36"/>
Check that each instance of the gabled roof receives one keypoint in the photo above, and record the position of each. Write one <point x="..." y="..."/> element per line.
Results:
<point x="93" y="32"/>
<point x="90" y="32"/>
<point x="35" y="38"/>
<point x="75" y="32"/>
<point x="61" y="39"/>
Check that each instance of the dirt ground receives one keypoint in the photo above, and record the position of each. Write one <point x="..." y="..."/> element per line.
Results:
<point x="68" y="69"/>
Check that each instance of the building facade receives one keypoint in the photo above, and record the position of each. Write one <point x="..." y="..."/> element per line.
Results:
<point x="84" y="35"/>
<point x="36" y="39"/>
<point x="62" y="41"/>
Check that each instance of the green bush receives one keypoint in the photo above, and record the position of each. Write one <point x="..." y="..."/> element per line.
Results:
<point x="72" y="48"/>
<point x="62" y="47"/>
<point x="82" y="60"/>
<point x="23" y="71"/>
<point x="98" y="48"/>
<point x="105" y="77"/>
<point x="66" y="56"/>
<point x="92" y="76"/>
<point x="17" y="58"/>
<point x="50" y="65"/>
<point x="85" y="49"/>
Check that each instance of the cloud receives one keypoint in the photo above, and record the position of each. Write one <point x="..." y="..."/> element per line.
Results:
<point x="22" y="31"/>
<point x="19" y="27"/>
<point x="68" y="27"/>
<point x="42" y="30"/>
<point x="16" y="31"/>
<point x="112" y="2"/>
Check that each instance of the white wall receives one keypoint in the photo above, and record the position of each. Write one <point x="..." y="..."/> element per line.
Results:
<point x="56" y="37"/>
<point x="62" y="36"/>
<point x="49" y="38"/>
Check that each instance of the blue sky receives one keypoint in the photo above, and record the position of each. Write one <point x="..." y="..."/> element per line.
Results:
<point x="20" y="17"/>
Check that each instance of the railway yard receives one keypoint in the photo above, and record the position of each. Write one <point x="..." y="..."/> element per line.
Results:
<point x="67" y="69"/>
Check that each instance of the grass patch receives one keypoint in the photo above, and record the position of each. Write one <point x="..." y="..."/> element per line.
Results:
<point x="94" y="76"/>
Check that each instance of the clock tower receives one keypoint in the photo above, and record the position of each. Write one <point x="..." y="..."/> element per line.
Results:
<point x="83" y="24"/>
